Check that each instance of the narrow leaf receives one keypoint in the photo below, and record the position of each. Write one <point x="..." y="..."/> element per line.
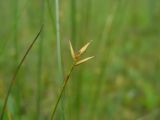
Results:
<point x="16" y="73"/>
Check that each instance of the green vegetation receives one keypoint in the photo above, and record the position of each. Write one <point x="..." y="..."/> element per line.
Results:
<point x="120" y="83"/>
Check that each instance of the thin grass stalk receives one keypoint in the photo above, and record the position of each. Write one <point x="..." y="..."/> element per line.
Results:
<point x="73" y="22"/>
<point x="51" y="15"/>
<point x="39" y="65"/>
<point x="61" y="92"/>
<point x="16" y="73"/>
<point x="59" y="55"/>
<point x="16" y="57"/>
<point x="16" y="29"/>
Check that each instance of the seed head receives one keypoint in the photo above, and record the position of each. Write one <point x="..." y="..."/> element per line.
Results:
<point x="76" y="56"/>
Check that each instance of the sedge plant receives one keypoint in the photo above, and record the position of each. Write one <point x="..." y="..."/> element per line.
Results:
<point x="16" y="73"/>
<point x="77" y="61"/>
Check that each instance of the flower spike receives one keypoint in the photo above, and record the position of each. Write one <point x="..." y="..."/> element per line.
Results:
<point x="76" y="56"/>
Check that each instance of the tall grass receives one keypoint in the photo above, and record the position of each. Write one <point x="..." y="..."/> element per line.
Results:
<point x="59" y="56"/>
<point x="15" y="75"/>
<point x="73" y="21"/>
<point x="16" y="56"/>
<point x="39" y="65"/>
<point x="51" y="14"/>
<point x="59" y="53"/>
<point x="121" y="83"/>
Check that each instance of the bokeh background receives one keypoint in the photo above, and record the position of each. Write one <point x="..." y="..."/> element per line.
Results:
<point x="120" y="83"/>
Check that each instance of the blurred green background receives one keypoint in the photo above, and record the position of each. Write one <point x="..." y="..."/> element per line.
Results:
<point x="120" y="83"/>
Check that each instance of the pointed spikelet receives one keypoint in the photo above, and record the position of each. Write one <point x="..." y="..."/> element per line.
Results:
<point x="84" y="48"/>
<point x="72" y="51"/>
<point x="84" y="60"/>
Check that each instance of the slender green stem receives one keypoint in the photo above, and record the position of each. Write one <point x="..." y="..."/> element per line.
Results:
<point x="59" y="53"/>
<point x="61" y="92"/>
<point x="58" y="40"/>
<point x="39" y="65"/>
<point x="16" y="29"/>
<point x="16" y="57"/>
<point x="51" y="15"/>
<point x="73" y="22"/>
<point x="16" y="73"/>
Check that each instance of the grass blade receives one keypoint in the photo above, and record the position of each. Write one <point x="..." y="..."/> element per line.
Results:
<point x="16" y="73"/>
<point x="39" y="65"/>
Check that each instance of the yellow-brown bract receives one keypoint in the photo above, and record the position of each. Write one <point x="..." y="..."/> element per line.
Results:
<point x="76" y="56"/>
